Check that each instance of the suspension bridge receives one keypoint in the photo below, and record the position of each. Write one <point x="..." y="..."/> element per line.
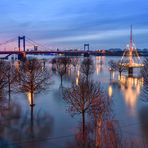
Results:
<point x="23" y="45"/>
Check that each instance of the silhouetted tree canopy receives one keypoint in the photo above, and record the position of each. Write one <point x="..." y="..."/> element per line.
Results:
<point x="61" y="65"/>
<point x="86" y="97"/>
<point x="87" y="67"/>
<point x="33" y="77"/>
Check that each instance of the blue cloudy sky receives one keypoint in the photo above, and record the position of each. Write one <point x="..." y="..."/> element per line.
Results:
<point x="71" y="23"/>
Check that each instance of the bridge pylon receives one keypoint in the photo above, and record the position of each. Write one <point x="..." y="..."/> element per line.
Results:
<point x="19" y="43"/>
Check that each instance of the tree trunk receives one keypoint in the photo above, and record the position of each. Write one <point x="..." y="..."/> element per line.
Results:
<point x="120" y="72"/>
<point x="9" y="85"/>
<point x="32" y="125"/>
<point x="83" y="125"/>
<point x="61" y="80"/>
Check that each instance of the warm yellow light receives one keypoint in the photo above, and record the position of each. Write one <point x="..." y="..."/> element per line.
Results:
<point x="131" y="88"/>
<point x="77" y="81"/>
<point x="29" y="97"/>
<point x="110" y="91"/>
<point x="78" y="73"/>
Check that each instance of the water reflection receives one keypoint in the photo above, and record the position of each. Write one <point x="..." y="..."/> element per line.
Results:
<point x="110" y="91"/>
<point x="20" y="129"/>
<point x="99" y="61"/>
<point x="131" y="88"/>
<point x="29" y="97"/>
<point x="33" y="124"/>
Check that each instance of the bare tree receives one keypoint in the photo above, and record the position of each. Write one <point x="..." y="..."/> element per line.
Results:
<point x="60" y="68"/>
<point x="144" y="73"/>
<point x="74" y="62"/>
<point x="7" y="76"/>
<point x="112" y="65"/>
<point x="117" y="66"/>
<point x="83" y="98"/>
<point x="121" y="66"/>
<point x="10" y="75"/>
<point x="87" y="67"/>
<point x="3" y="82"/>
<point x="66" y="61"/>
<point x="33" y="78"/>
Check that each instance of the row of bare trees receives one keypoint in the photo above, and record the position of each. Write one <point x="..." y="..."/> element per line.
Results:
<point x="88" y="99"/>
<point x="29" y="77"/>
<point x="7" y="77"/>
<point x="117" y="66"/>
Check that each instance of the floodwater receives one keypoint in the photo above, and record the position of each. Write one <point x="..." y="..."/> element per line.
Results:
<point x="53" y="126"/>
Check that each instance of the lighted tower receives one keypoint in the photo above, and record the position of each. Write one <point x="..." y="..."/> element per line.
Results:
<point x="131" y="47"/>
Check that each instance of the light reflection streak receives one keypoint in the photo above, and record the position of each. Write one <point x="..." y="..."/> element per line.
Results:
<point x="77" y="81"/>
<point x="78" y="75"/>
<point x="17" y="64"/>
<point x="110" y="91"/>
<point x="98" y="64"/>
<point x="131" y="88"/>
<point x="29" y="97"/>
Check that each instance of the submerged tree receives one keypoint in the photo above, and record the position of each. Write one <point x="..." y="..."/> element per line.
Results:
<point x="83" y="98"/>
<point x="112" y="65"/>
<point x="10" y="74"/>
<point x="121" y="66"/>
<point x="60" y="68"/>
<point x="117" y="66"/>
<point x="3" y="82"/>
<point x="61" y="65"/>
<point x="33" y="78"/>
<point x="75" y="62"/>
<point x="87" y="67"/>
<point x="144" y="73"/>
<point x="7" y="76"/>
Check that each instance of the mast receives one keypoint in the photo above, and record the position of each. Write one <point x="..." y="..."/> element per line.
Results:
<point x="131" y="47"/>
<point x="131" y="38"/>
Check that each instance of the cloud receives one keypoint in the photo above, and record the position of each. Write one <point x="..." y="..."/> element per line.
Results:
<point x="104" y="35"/>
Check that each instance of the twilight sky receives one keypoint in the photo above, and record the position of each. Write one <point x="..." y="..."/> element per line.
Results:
<point x="71" y="23"/>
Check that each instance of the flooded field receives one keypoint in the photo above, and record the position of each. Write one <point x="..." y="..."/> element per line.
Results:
<point x="51" y="123"/>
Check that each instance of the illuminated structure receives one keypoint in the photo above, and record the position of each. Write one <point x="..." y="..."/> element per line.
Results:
<point x="130" y="58"/>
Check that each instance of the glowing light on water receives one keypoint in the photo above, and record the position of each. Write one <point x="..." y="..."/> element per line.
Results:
<point x="98" y="66"/>
<point x="78" y="73"/>
<point x="77" y="81"/>
<point x="29" y="98"/>
<point x="131" y="88"/>
<point x="110" y="91"/>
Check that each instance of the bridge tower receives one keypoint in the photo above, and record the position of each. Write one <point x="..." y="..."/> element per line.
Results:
<point x="19" y="43"/>
<point x="86" y="46"/>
